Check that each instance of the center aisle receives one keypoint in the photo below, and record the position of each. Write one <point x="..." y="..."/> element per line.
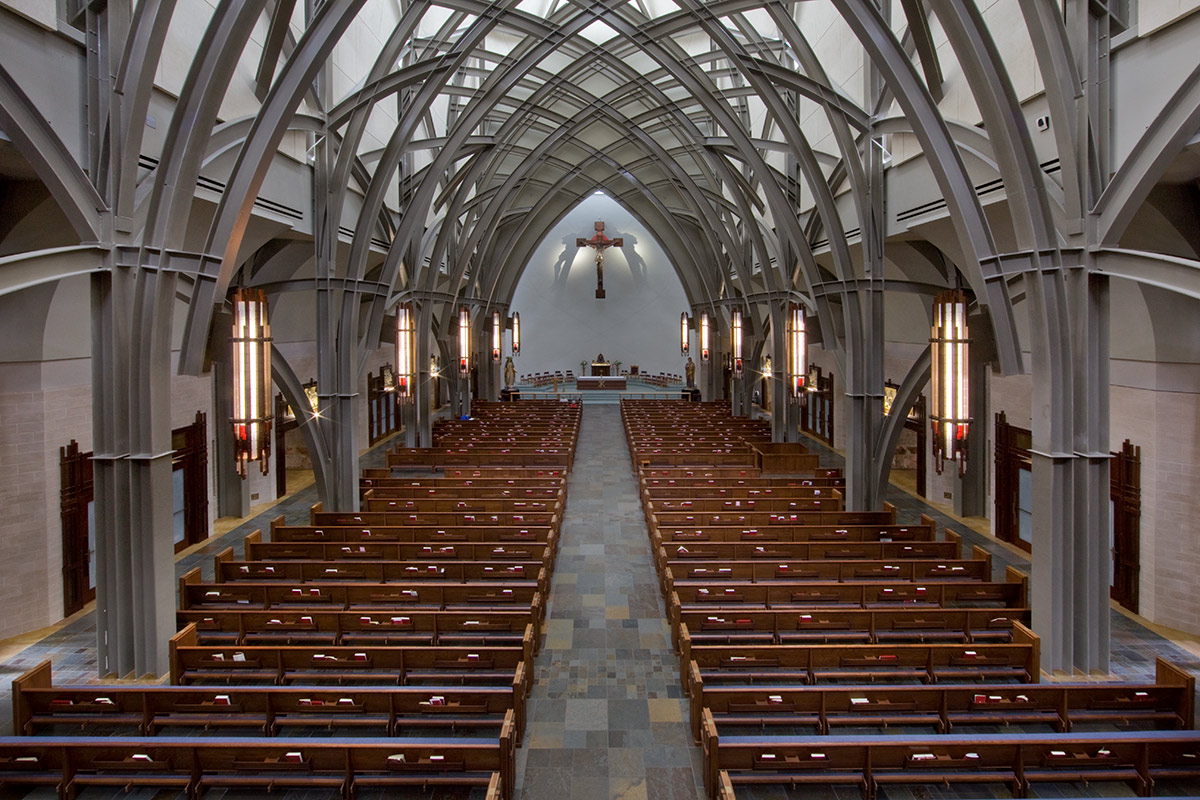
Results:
<point x="607" y="718"/>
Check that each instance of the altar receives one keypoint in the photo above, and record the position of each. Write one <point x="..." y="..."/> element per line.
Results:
<point x="602" y="368"/>
<point x="585" y="383"/>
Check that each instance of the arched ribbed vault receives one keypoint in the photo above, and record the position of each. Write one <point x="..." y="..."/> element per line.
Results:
<point x="695" y="116"/>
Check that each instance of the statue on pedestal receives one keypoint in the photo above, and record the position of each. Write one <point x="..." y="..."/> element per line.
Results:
<point x="510" y="373"/>
<point x="690" y="372"/>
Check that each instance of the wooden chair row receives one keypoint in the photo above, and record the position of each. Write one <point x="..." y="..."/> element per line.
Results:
<point x="1168" y="702"/>
<point x="194" y="766"/>
<point x="371" y="665"/>
<point x="1139" y="760"/>
<point x="147" y="710"/>
<point x="1013" y="661"/>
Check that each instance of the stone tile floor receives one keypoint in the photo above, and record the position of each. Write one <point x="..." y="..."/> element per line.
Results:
<point x="607" y="716"/>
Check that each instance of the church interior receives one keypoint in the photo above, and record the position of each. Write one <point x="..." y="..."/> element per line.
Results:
<point x="631" y="400"/>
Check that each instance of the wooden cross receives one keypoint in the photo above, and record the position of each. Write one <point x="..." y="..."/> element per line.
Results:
<point x="601" y="243"/>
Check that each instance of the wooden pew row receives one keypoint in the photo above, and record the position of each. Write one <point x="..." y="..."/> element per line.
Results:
<point x="40" y="706"/>
<point x="351" y="629"/>
<point x="433" y="458"/>
<point x="1139" y="760"/>
<point x="831" y="500"/>
<point x="1015" y="661"/>
<point x="666" y="475"/>
<point x="856" y="626"/>
<point x="374" y="500"/>
<point x="907" y="571"/>
<point x="774" y="523"/>
<point x="469" y="487"/>
<point x="362" y="597"/>
<point x="1168" y="702"/>
<point x="671" y="554"/>
<point x="480" y="475"/>
<point x="719" y="487"/>
<point x="542" y="493"/>
<point x="732" y="596"/>
<point x="844" y="532"/>
<point x="297" y="572"/>
<point x="258" y="550"/>
<point x="481" y="665"/>
<point x="444" y="519"/>
<point x="193" y="765"/>
<point x="426" y="534"/>
<point x="734" y="494"/>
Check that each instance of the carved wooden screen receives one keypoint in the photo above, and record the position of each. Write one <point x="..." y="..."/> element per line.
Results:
<point x="1125" y="482"/>
<point x="816" y="418"/>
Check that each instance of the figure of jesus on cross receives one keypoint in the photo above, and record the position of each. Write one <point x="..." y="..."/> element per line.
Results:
<point x="601" y="243"/>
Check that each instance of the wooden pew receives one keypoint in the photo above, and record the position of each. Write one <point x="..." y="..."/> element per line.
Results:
<point x="227" y="627"/>
<point x="364" y="664"/>
<point x="358" y="596"/>
<point x="1168" y="702"/>
<point x="147" y="710"/>
<point x="683" y="571"/>
<point x="258" y="550"/>
<point x="1015" y="661"/>
<point x="194" y="765"/>
<point x="873" y="763"/>
<point x="296" y="571"/>
<point x="670" y="554"/>
<point x="863" y="626"/>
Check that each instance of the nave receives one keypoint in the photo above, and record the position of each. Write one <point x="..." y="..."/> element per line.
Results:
<point x="608" y="715"/>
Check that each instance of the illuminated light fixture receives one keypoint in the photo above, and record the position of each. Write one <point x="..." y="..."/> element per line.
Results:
<point x="797" y="339"/>
<point x="950" y="416"/>
<point x="464" y="340"/>
<point x="251" y="341"/>
<point x="389" y="378"/>
<point x="405" y="342"/>
<point x="705" y="351"/>
<point x="683" y="334"/>
<point x="736" y="329"/>
<point x="497" y="336"/>
<point x="516" y="329"/>
<point x="434" y="368"/>
<point x="768" y="370"/>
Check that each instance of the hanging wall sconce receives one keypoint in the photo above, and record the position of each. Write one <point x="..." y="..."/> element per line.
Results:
<point x="797" y="336"/>
<point x="683" y="334"/>
<point x="705" y="352"/>
<point x="464" y="340"/>
<point x="950" y="410"/>
<point x="405" y="330"/>
<point x="516" y="329"/>
<point x="736" y="326"/>
<point x="251" y="341"/>
<point x="497" y="337"/>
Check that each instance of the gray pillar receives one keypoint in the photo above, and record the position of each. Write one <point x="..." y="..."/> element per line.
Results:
<point x="233" y="493"/>
<point x="1070" y="559"/>
<point x="131" y="374"/>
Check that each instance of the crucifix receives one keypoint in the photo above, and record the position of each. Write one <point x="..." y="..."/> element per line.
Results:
<point x="601" y="243"/>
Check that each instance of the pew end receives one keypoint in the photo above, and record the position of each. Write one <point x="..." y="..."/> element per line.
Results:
<point x="1165" y="673"/>
<point x="38" y="677"/>
<point x="185" y="637"/>
<point x="220" y="558"/>
<point x="1014" y="575"/>
<point x="1021" y="634"/>
<point x="192" y="576"/>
